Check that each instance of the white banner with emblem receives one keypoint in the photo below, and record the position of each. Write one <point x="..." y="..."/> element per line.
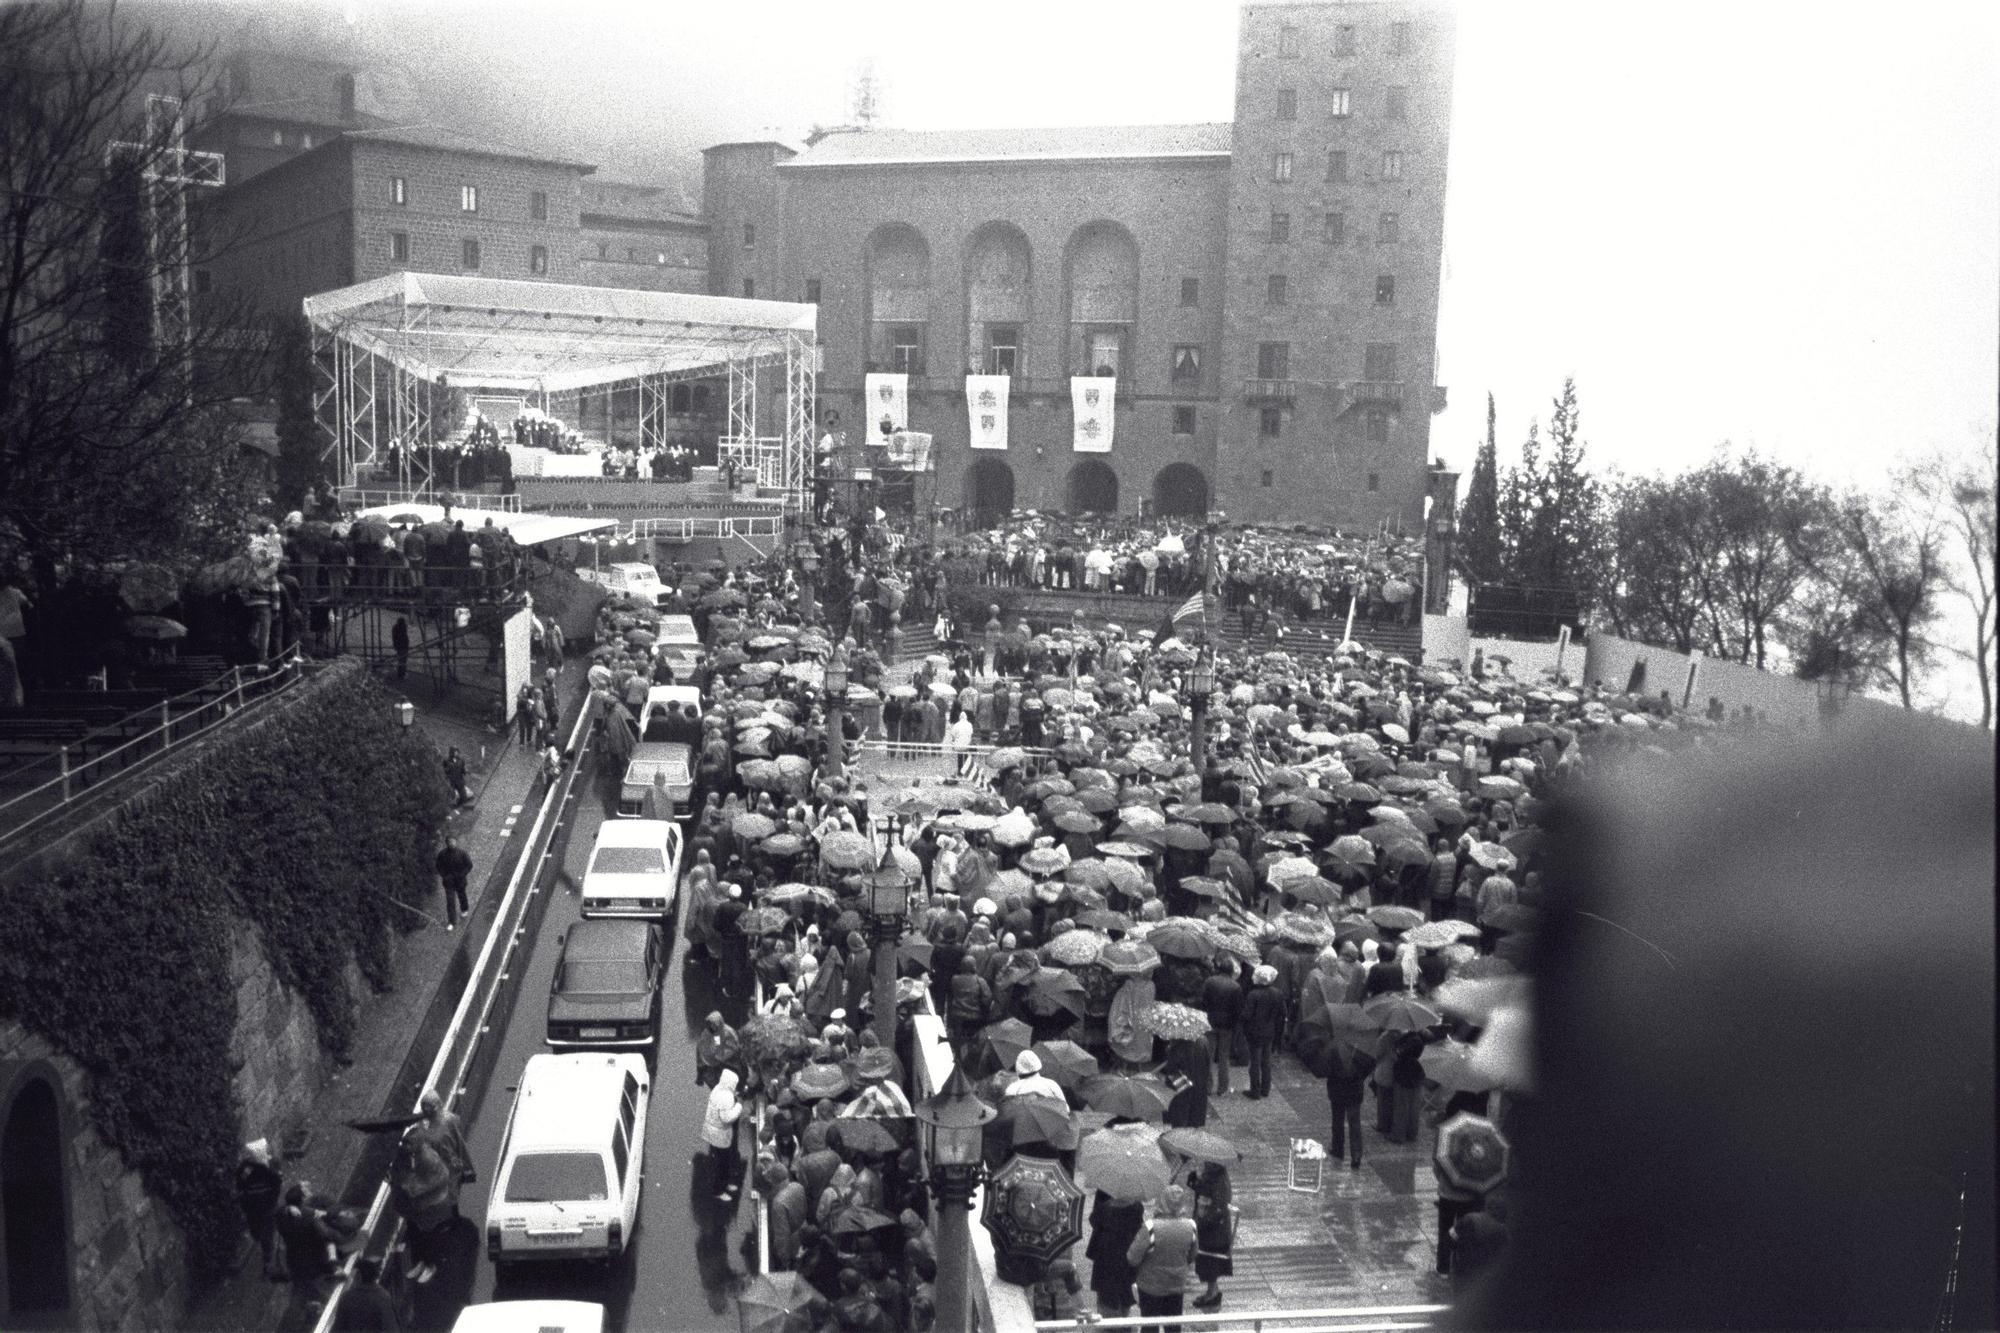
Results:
<point x="986" y="407"/>
<point x="1090" y="399"/>
<point x="888" y="396"/>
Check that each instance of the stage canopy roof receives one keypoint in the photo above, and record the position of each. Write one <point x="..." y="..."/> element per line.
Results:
<point x="526" y="529"/>
<point x="492" y="333"/>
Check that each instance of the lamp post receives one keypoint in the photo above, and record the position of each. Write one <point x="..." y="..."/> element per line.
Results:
<point x="888" y="902"/>
<point x="806" y="556"/>
<point x="836" y="712"/>
<point x="953" y="1124"/>
<point x="1201" y="684"/>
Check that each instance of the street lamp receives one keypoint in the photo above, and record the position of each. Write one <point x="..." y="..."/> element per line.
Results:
<point x="836" y="711"/>
<point x="888" y="902"/>
<point x="1201" y="684"/>
<point x="953" y="1125"/>
<point x="805" y="556"/>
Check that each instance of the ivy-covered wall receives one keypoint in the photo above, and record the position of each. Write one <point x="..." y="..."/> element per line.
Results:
<point x="310" y="821"/>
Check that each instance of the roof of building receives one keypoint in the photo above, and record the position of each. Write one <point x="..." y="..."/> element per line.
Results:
<point x="451" y="141"/>
<point x="877" y="147"/>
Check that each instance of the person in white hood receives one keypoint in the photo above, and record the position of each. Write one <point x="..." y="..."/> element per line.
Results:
<point x="718" y="1131"/>
<point x="1031" y="1080"/>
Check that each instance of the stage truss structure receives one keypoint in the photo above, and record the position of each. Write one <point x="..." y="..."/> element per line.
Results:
<point x="382" y="351"/>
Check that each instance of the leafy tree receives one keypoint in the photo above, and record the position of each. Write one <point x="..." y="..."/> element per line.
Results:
<point x="1768" y="524"/>
<point x="1960" y="490"/>
<point x="1661" y="580"/>
<point x="1479" y="512"/>
<point x="1881" y="575"/>
<point x="111" y="445"/>
<point x="1520" y="499"/>
<point x="1569" y="525"/>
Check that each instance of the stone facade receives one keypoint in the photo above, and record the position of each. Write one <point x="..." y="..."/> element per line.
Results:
<point x="127" y="1258"/>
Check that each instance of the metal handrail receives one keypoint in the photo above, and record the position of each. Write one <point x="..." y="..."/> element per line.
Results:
<point x="371" y="497"/>
<point x="172" y="731"/>
<point x="1347" y="1320"/>
<point x="745" y="526"/>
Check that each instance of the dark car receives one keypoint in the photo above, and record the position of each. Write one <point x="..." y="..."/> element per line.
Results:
<point x="606" y="992"/>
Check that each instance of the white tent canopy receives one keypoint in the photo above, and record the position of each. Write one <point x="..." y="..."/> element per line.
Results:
<point x="526" y="529"/>
<point x="493" y="333"/>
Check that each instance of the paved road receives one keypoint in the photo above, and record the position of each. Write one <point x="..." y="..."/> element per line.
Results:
<point x="683" y="1269"/>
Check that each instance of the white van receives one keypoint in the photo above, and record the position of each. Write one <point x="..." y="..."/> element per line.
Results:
<point x="677" y="632"/>
<point x="634" y="869"/>
<point x="531" y="1317"/>
<point x="568" y="1184"/>
<point x="630" y="578"/>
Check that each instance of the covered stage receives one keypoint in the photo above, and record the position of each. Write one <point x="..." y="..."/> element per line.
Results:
<point x="392" y="357"/>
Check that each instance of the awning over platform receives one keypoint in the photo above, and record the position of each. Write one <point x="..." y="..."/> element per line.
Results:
<point x="499" y="334"/>
<point x="525" y="529"/>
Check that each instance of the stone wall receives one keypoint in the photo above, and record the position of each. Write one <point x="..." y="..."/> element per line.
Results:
<point x="280" y="1066"/>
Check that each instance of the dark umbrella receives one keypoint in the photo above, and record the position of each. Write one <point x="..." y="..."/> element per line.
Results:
<point x="1032" y="1118"/>
<point x="1004" y="1041"/>
<point x="1067" y="1063"/>
<point x="1396" y="918"/>
<point x="1201" y="1145"/>
<point x="1138" y="1097"/>
<point x="1034" y="1210"/>
<point x="776" y="1303"/>
<point x="867" y="1137"/>
<point x="1401" y="1013"/>
<point x="1313" y="889"/>
<point x="1471" y="1152"/>
<point x="857" y="1221"/>
<point x="1052" y="988"/>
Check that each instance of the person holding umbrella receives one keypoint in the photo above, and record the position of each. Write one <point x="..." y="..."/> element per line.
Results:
<point x="1263" y="1021"/>
<point x="1160" y="1256"/>
<point x="1214" y="1230"/>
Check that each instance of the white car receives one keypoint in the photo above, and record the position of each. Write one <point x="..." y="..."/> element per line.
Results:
<point x="634" y="578"/>
<point x="531" y="1317"/>
<point x="634" y="869"/>
<point x="568" y="1184"/>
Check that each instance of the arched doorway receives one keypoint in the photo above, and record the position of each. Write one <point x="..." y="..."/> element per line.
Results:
<point x="1093" y="488"/>
<point x="31" y="1206"/>
<point x="1180" y="489"/>
<point x="989" y="492"/>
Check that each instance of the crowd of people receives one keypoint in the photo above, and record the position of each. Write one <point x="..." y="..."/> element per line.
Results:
<point x="1352" y="877"/>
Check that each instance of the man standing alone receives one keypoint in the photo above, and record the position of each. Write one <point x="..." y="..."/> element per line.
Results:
<point x="454" y="868"/>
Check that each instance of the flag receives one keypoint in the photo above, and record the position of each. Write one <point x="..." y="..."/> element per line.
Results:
<point x="972" y="769"/>
<point x="986" y="406"/>
<point x="1195" y="605"/>
<point x="1092" y="399"/>
<point x="1260" y="772"/>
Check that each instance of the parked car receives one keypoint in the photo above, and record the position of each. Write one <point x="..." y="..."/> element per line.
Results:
<point x="606" y="991"/>
<point x="531" y="1317"/>
<point x="568" y="1182"/>
<point x="634" y="869"/>
<point x="630" y="578"/>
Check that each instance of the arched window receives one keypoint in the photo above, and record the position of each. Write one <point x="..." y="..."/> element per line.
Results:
<point x="1103" y="270"/>
<point x="32" y="1205"/>
<point x="999" y="300"/>
<point x="899" y="299"/>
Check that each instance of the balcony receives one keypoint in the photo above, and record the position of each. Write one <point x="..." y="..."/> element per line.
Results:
<point x="1269" y="393"/>
<point x="1371" y="393"/>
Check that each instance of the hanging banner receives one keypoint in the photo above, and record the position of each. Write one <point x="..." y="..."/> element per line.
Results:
<point x="888" y="398"/>
<point x="986" y="407"/>
<point x="909" y="450"/>
<point x="1090" y="400"/>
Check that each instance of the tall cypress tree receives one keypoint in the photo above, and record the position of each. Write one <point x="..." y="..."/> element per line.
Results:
<point x="1479" y="512"/>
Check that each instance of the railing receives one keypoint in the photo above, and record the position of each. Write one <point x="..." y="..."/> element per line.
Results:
<point x="1333" y="1319"/>
<point x="910" y="763"/>
<point x="373" y="497"/>
<point x="473" y="1020"/>
<point x="1270" y="391"/>
<point x="71" y="779"/>
<point x="687" y="529"/>
<point x="1388" y="392"/>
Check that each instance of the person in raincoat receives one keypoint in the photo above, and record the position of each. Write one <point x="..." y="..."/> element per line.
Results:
<point x="1130" y="1042"/>
<point x="718" y="1132"/>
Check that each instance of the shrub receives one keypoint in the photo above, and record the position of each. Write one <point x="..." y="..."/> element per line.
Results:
<point x="312" y="820"/>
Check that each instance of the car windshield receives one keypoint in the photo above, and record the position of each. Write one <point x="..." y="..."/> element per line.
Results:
<point x="603" y="977"/>
<point x="557" y="1177"/>
<point x="628" y="861"/>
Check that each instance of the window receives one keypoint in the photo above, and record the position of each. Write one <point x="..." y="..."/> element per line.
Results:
<point x="1339" y="102"/>
<point x="1336" y="228"/>
<point x="1288" y="41"/>
<point x="1003" y="348"/>
<point x="1336" y="167"/>
<point x="812" y="291"/>
<point x="1190" y="291"/>
<point x="1385" y="289"/>
<point x="1281" y="227"/>
<point x="204" y="281"/>
<point x="1264" y="479"/>
<point x="603" y="250"/>
<point x="1274" y="361"/>
<point x="1378" y="428"/>
<point x="620" y="1155"/>
<point x="1374" y="481"/>
<point x="1399" y="39"/>
<point x="1399" y="104"/>
<point x="1274" y="289"/>
<point x="1378" y="362"/>
<point x="1281" y="167"/>
<point x="1388" y="230"/>
<point x="538" y="205"/>
<point x="399" y="190"/>
<point x="538" y="259"/>
<point x="468" y="198"/>
<point x="1270" y="423"/>
<point x="749" y="236"/>
<point x="1392" y="166"/>
<point x="399" y="246"/>
<point x="1288" y="104"/>
<point x="468" y="253"/>
<point x="1187" y="363"/>
<point x="906" y="350"/>
<point x="631" y="254"/>
<point x="750" y="288"/>
<point x="1343" y="40"/>
<point x="1183" y="419"/>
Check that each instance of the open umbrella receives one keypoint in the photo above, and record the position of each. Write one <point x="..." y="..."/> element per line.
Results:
<point x="1103" y="918"/>
<point x="1179" y="937"/>
<point x="819" y="1081"/>
<point x="776" y="1303"/>
<point x="847" y="850"/>
<point x="1201" y="1145"/>
<point x="1139" y="1097"/>
<point x="1302" y="929"/>
<point x="774" y="1037"/>
<point x="1035" y="1212"/>
<point x="1399" y="1012"/>
<point x="1185" y="837"/>
<point x="1035" y="1119"/>
<point x="1003" y="1042"/>
<point x="1472" y="1153"/>
<point x="763" y="920"/>
<point x="1173" y="1022"/>
<point x="857" y="1221"/>
<point x="1127" y="957"/>
<point x="1130" y="850"/>
<point x="1314" y="890"/>
<point x="1043" y="861"/>
<point x="1338" y="1025"/>
<point x="752" y="827"/>
<point x="1493" y="856"/>
<point x="1209" y="812"/>
<point x="1066" y="1062"/>
<point x="867" y="1137"/>
<point x="1351" y="852"/>
<point x="1440" y="934"/>
<point x="1124" y="1161"/>
<point x="792" y="893"/>
<point x="1449" y="1065"/>
<point x="1053" y="989"/>
<point x="1074" y="948"/>
<point x="1396" y="918"/>
<point x="1078" y="821"/>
